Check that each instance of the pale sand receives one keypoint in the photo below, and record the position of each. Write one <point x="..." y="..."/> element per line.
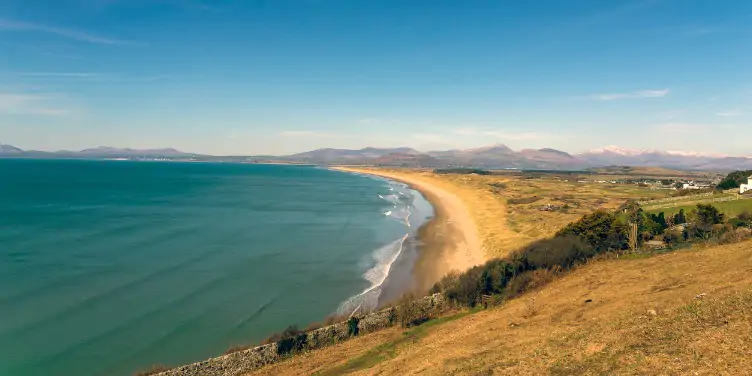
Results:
<point x="453" y="242"/>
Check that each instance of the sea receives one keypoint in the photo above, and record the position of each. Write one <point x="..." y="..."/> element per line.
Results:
<point x="110" y="267"/>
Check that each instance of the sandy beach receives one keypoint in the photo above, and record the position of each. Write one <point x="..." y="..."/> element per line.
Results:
<point x="450" y="241"/>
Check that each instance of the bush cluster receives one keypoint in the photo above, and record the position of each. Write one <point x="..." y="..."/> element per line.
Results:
<point x="734" y="179"/>
<point x="290" y="340"/>
<point x="537" y="263"/>
<point x="601" y="232"/>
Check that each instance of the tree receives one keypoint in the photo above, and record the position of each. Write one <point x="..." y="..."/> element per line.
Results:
<point x="709" y="215"/>
<point x="655" y="223"/>
<point x="680" y="218"/>
<point x="672" y="237"/>
<point x="744" y="219"/>
<point x="704" y="217"/>
<point x="734" y="179"/>
<point x="601" y="229"/>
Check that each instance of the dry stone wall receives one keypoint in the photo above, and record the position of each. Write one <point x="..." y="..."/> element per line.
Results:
<point x="245" y="361"/>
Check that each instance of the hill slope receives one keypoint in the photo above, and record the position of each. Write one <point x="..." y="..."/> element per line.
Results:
<point x="687" y="312"/>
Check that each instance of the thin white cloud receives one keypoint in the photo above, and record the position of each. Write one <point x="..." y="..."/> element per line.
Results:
<point x="46" y="51"/>
<point x="185" y="4"/>
<point x="729" y="113"/>
<point x="641" y="94"/>
<point x="466" y="131"/>
<point x="524" y="136"/>
<point x="308" y="134"/>
<point x="432" y="139"/>
<point x="506" y="134"/>
<point x="61" y="74"/>
<point x="695" y="128"/>
<point x="10" y="25"/>
<point x="29" y="104"/>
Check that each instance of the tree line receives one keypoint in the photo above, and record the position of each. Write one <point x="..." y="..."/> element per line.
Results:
<point x="599" y="233"/>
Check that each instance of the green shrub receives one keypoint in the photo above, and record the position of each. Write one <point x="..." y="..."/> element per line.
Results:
<point x="563" y="251"/>
<point x="290" y="340"/>
<point x="352" y="326"/>
<point x="601" y="229"/>
<point x="410" y="312"/>
<point x="672" y="237"/>
<point x="734" y="179"/>
<point x="530" y="280"/>
<point x="744" y="219"/>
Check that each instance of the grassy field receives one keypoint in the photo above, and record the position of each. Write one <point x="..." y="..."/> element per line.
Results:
<point x="730" y="208"/>
<point x="685" y="312"/>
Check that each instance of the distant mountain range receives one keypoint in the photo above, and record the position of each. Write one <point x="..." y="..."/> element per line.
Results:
<point x="491" y="157"/>
<point x="102" y="152"/>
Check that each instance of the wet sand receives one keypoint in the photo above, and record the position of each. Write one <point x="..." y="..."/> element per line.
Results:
<point x="447" y="242"/>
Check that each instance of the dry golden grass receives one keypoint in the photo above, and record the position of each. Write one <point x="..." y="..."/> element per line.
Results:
<point x="633" y="316"/>
<point x="504" y="225"/>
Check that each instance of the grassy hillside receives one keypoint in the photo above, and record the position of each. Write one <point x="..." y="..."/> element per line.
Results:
<point x="686" y="312"/>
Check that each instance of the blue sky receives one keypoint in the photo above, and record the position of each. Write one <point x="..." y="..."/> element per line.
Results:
<point x="281" y="76"/>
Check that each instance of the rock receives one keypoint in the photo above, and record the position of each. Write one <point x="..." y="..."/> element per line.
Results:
<point x="652" y="312"/>
<point x="700" y="296"/>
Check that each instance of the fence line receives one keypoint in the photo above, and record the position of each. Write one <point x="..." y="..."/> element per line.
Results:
<point x="674" y="199"/>
<point x="703" y="201"/>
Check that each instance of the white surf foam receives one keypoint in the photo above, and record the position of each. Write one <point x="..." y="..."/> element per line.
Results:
<point x="369" y="298"/>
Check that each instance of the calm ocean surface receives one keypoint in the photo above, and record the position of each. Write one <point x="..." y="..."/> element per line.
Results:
<point x="108" y="267"/>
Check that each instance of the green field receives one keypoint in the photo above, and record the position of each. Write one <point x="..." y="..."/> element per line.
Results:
<point x="730" y="208"/>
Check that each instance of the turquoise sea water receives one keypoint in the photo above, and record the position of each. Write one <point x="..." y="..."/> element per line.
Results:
<point x="108" y="267"/>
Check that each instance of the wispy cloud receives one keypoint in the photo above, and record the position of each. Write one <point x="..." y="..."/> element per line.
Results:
<point x="433" y="139"/>
<point x="729" y="113"/>
<point x="46" y="51"/>
<point x="61" y="74"/>
<point x="10" y="25"/>
<point x="184" y="4"/>
<point x="640" y="94"/>
<point x="308" y="134"/>
<point x="694" y="128"/>
<point x="506" y="134"/>
<point x="30" y="104"/>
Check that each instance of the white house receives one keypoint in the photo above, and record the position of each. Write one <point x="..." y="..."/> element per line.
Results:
<point x="746" y="187"/>
<point x="690" y="185"/>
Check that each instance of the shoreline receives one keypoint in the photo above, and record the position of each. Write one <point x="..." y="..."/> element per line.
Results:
<point x="448" y="241"/>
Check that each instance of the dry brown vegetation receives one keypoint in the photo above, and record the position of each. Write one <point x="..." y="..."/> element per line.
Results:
<point x="507" y="208"/>
<point x="686" y="312"/>
<point x="154" y="370"/>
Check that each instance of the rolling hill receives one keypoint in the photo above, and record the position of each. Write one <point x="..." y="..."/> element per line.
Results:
<point x="497" y="156"/>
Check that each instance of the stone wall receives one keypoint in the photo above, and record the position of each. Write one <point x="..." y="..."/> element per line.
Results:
<point x="244" y="361"/>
